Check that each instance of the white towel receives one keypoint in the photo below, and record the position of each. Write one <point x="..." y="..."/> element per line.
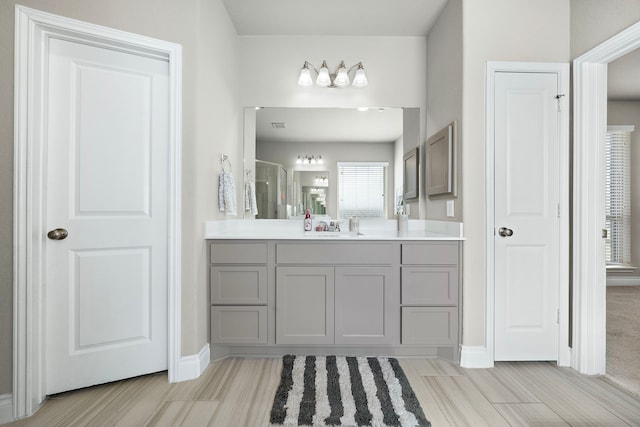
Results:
<point x="250" y="204"/>
<point x="227" y="194"/>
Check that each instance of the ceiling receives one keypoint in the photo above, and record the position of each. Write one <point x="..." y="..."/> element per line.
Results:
<point x="392" y="18"/>
<point x="321" y="125"/>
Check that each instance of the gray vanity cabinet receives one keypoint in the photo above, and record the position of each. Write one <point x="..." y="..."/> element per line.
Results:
<point x="304" y="305"/>
<point x="270" y="297"/>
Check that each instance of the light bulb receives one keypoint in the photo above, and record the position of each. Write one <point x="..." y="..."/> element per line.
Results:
<point x="320" y="161"/>
<point x="342" y="79"/>
<point x="323" y="79"/>
<point x="305" y="79"/>
<point x="360" y="79"/>
<point x="299" y="160"/>
<point x="313" y="160"/>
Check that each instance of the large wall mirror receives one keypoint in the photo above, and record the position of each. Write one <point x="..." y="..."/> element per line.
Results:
<point x="294" y="157"/>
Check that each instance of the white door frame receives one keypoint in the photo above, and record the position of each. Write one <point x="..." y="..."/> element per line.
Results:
<point x="589" y="130"/>
<point x="33" y="30"/>
<point x="564" y="353"/>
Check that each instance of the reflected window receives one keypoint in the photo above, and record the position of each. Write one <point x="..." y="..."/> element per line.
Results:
<point x="361" y="189"/>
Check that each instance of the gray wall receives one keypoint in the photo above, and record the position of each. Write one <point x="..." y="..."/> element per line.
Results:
<point x="211" y="124"/>
<point x="628" y="113"/>
<point x="444" y="95"/>
<point x="594" y="21"/>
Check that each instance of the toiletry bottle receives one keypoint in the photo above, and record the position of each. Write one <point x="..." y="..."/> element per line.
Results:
<point x="307" y="221"/>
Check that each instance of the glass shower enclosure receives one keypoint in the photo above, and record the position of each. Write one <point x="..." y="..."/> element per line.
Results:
<point x="271" y="190"/>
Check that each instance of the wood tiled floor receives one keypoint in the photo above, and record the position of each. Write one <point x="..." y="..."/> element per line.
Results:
<point x="239" y="392"/>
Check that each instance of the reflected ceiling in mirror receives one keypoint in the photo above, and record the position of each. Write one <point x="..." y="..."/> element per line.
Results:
<point x="318" y="125"/>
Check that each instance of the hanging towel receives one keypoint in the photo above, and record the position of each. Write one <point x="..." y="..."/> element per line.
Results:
<point x="227" y="194"/>
<point x="250" y="204"/>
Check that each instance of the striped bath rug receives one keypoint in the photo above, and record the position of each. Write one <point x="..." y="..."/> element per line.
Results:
<point x="345" y="391"/>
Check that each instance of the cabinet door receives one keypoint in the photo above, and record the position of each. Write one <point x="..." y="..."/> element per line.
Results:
<point x="243" y="285"/>
<point x="430" y="325"/>
<point x="436" y="285"/>
<point x="239" y="324"/>
<point x="304" y="305"/>
<point x="365" y="305"/>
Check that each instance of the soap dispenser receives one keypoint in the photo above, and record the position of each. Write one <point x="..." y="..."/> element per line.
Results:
<point x="307" y="220"/>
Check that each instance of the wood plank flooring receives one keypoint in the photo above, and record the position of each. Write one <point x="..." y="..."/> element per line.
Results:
<point x="239" y="392"/>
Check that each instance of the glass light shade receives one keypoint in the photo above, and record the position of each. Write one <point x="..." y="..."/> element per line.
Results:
<point x="323" y="79"/>
<point x="312" y="161"/>
<point x="320" y="161"/>
<point x="299" y="160"/>
<point x="342" y="79"/>
<point x="305" y="79"/>
<point x="360" y="79"/>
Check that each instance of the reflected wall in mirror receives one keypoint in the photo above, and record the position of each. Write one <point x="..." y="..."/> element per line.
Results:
<point x="281" y="135"/>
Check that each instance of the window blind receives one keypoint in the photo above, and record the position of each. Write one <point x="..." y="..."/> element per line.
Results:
<point x="618" y="195"/>
<point x="361" y="189"/>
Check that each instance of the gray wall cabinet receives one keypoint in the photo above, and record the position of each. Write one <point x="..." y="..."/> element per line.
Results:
<point x="391" y="297"/>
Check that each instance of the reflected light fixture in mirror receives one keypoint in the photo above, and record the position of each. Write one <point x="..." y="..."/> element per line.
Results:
<point x="313" y="159"/>
<point x="340" y="78"/>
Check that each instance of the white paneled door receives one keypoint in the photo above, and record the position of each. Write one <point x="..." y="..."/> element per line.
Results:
<point x="527" y="222"/>
<point x="107" y="191"/>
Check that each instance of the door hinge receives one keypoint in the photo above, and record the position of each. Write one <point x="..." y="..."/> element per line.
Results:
<point x="558" y="210"/>
<point x="558" y="316"/>
<point x="558" y="98"/>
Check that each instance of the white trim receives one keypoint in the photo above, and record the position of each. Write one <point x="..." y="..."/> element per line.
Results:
<point x="590" y="123"/>
<point x="6" y="408"/>
<point x="33" y="29"/>
<point x="476" y="357"/>
<point x="623" y="280"/>
<point x="191" y="367"/>
<point x="562" y="70"/>
<point x="621" y="128"/>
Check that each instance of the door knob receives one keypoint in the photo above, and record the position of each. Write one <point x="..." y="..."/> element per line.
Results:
<point x="505" y="232"/>
<point x="58" y="234"/>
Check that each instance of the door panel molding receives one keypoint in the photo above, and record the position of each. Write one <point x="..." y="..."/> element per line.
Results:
<point x="589" y="129"/>
<point x="562" y="70"/>
<point x="33" y="29"/>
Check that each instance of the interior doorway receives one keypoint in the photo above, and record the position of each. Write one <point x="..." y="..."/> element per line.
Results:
<point x="589" y="273"/>
<point x="623" y="213"/>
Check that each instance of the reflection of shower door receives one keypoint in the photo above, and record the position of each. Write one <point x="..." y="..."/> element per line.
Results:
<point x="271" y="190"/>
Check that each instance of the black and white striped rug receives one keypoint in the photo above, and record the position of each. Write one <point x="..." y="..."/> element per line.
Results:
<point x="345" y="391"/>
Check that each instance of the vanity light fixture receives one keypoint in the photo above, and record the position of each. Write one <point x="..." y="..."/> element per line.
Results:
<point x="340" y="78"/>
<point x="306" y="159"/>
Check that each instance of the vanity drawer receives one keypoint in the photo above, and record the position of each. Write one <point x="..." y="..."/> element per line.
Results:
<point x="437" y="285"/>
<point x="334" y="253"/>
<point x="239" y="324"/>
<point x="238" y="253"/>
<point x="432" y="253"/>
<point x="239" y="285"/>
<point x="429" y="325"/>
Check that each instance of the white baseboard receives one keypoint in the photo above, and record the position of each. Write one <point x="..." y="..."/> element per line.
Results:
<point x="475" y="357"/>
<point x="623" y="281"/>
<point x="191" y="367"/>
<point x="6" y="408"/>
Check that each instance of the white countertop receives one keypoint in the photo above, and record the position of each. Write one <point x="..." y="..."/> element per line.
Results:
<point x="282" y="229"/>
